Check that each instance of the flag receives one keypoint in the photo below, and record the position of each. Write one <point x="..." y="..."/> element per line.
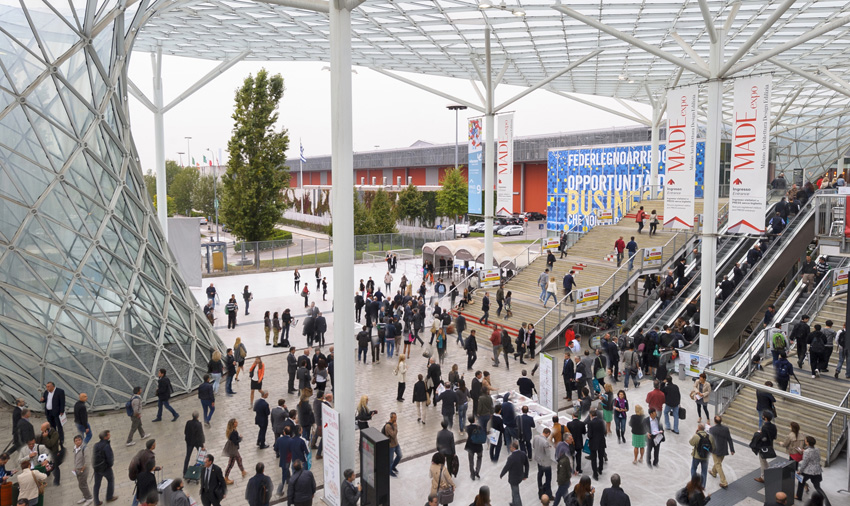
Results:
<point x="193" y="160"/>
<point x="303" y="160"/>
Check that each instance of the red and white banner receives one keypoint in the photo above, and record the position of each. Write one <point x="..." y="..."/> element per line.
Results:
<point x="505" y="164"/>
<point x="679" y="176"/>
<point x="750" y="138"/>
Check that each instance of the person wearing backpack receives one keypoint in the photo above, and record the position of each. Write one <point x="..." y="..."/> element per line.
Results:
<point x="102" y="462"/>
<point x="778" y="343"/>
<point x="134" y="411"/>
<point x="476" y="437"/>
<point x="784" y="371"/>
<point x="703" y="445"/>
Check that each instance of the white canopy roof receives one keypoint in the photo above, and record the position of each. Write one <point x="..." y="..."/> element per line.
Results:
<point x="506" y="256"/>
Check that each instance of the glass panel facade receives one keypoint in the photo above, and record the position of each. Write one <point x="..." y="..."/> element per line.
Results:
<point x="83" y="272"/>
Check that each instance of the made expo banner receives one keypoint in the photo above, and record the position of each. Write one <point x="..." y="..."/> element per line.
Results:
<point x="474" y="166"/>
<point x="681" y="158"/>
<point x="505" y="164"/>
<point x="750" y="139"/>
<point x="593" y="185"/>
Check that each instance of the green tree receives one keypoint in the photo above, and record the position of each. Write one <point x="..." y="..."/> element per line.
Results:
<point x="172" y="207"/>
<point x="150" y="183"/>
<point x="364" y="223"/>
<point x="430" y="215"/>
<point x="383" y="212"/>
<point x="256" y="172"/>
<point x="452" y="196"/>
<point x="203" y="196"/>
<point x="181" y="189"/>
<point x="172" y="169"/>
<point x="410" y="204"/>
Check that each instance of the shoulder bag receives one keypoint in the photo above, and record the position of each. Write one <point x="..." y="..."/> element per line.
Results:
<point x="446" y="495"/>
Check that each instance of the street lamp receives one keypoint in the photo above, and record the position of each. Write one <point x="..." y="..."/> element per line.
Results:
<point x="181" y="153"/>
<point x="456" y="108"/>
<point x="215" y="199"/>
<point x="188" y="151"/>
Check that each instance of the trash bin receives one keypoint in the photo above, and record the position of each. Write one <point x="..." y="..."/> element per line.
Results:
<point x="218" y="260"/>
<point x="779" y="477"/>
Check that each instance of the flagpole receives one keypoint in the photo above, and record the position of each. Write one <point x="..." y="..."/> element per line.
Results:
<point x="301" y="172"/>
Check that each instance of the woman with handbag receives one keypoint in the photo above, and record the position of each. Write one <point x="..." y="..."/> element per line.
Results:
<point x="231" y="450"/>
<point x="638" y="433"/>
<point x="795" y="443"/>
<point x="520" y="343"/>
<point x="240" y="352"/>
<point x="363" y="413"/>
<point x="531" y="340"/>
<point x="810" y="469"/>
<point x="441" y="480"/>
<point x="700" y="393"/>
<point x="258" y="368"/>
<point x="30" y="483"/>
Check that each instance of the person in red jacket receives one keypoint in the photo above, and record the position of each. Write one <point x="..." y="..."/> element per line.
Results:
<point x="655" y="398"/>
<point x="496" y="341"/>
<point x="639" y="217"/>
<point x="619" y="246"/>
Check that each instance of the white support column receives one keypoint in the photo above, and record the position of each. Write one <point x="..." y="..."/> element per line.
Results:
<point x="839" y="165"/>
<point x="489" y="157"/>
<point x="159" y="142"/>
<point x="714" y="123"/>
<point x="654" y="156"/>
<point x="342" y="163"/>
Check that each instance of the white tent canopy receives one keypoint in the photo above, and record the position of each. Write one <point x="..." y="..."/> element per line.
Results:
<point x="506" y="256"/>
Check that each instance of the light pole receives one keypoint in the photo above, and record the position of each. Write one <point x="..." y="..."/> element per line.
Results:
<point x="181" y="153"/>
<point x="456" y="108"/>
<point x="188" y="151"/>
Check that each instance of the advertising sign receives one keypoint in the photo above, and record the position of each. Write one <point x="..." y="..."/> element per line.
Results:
<point x="546" y="383"/>
<point x="505" y="164"/>
<point x="839" y="280"/>
<point x="748" y="171"/>
<point x="474" y="161"/>
<point x="695" y="363"/>
<point x="681" y="158"/>
<point x="599" y="184"/>
<point x="551" y="243"/>
<point x="652" y="256"/>
<point x="330" y="438"/>
<point x="490" y="277"/>
<point x="587" y="298"/>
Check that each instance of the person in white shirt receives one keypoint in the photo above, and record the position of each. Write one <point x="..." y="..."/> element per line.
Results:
<point x="654" y="437"/>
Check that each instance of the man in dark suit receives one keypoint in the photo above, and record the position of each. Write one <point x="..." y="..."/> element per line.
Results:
<point x="569" y="375"/>
<point x="445" y="441"/>
<point x="577" y="429"/>
<point x="434" y="372"/>
<point x="516" y="467"/>
<point x="485" y="308"/>
<point x="615" y="496"/>
<point x="261" y="418"/>
<point x="524" y="424"/>
<point x="54" y="405"/>
<point x="163" y="394"/>
<point x="291" y="368"/>
<point x="16" y="416"/>
<point x="213" y="488"/>
<point x="449" y="400"/>
<point x="475" y="392"/>
<point x="596" y="442"/>
<point x="194" y="435"/>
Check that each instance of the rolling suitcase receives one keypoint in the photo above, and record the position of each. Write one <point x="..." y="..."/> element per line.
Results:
<point x="193" y="473"/>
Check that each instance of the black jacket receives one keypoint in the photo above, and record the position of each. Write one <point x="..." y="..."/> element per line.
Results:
<point x="578" y="429"/>
<point x="516" y="467"/>
<point x="58" y="401"/>
<point x="252" y="491"/>
<point x="81" y="414"/>
<point x="291" y="363"/>
<point x="672" y="396"/>
<point x="449" y="400"/>
<point x="261" y="412"/>
<point x="596" y="433"/>
<point x="194" y="433"/>
<point x="145" y="484"/>
<point x="615" y="496"/>
<point x="163" y="389"/>
<point x="419" y="393"/>
<point x="103" y="458"/>
<point x="446" y="442"/>
<point x="26" y="432"/>
<point x="205" y="392"/>
<point x="434" y="372"/>
<point x="214" y="489"/>
<point x="350" y="494"/>
<point x="302" y="486"/>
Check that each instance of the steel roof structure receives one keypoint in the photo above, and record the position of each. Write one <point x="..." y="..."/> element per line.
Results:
<point x="804" y="44"/>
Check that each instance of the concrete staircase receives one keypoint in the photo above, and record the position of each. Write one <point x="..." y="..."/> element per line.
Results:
<point x="741" y="415"/>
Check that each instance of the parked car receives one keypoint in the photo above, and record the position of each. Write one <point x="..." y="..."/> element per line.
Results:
<point x="204" y="221"/>
<point x="478" y="227"/>
<point x="535" y="216"/>
<point x="511" y="230"/>
<point x="462" y="230"/>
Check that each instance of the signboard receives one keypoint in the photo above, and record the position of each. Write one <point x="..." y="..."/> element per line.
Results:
<point x="652" y="256"/>
<point x="748" y="171"/>
<point x="587" y="298"/>
<point x="474" y="162"/>
<point x="695" y="363"/>
<point x="505" y="164"/>
<point x="490" y="277"/>
<point x="551" y="243"/>
<point x="839" y="280"/>
<point x="546" y="384"/>
<point x="585" y="184"/>
<point x="330" y="450"/>
<point x="681" y="158"/>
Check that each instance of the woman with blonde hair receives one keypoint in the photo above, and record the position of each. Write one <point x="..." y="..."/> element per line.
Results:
<point x="239" y="353"/>
<point x="638" y="433"/>
<point x="231" y="449"/>
<point x="400" y="371"/>
<point x="259" y="368"/>
<point x="363" y="413"/>
<point x="215" y="368"/>
<point x="551" y="290"/>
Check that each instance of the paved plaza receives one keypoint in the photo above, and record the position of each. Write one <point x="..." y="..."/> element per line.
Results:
<point x="274" y="291"/>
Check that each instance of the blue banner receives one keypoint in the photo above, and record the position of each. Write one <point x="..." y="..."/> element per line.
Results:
<point x="584" y="183"/>
<point x="474" y="172"/>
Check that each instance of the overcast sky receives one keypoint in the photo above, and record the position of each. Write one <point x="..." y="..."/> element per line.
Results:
<point x="387" y="113"/>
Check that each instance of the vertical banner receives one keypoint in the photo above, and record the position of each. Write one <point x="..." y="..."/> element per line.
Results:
<point x="547" y="383"/>
<point x="474" y="174"/>
<point x="681" y="158"/>
<point x="748" y="172"/>
<point x="505" y="164"/>
<point x="330" y="450"/>
<point x="839" y="280"/>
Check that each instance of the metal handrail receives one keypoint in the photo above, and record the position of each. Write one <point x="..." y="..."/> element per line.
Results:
<point x="778" y="393"/>
<point x="637" y="271"/>
<point x="526" y="252"/>
<point x="845" y="403"/>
